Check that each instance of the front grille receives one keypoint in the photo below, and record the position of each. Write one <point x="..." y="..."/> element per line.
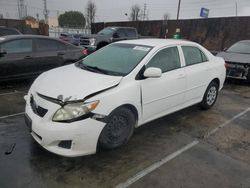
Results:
<point x="38" y="110"/>
<point x="84" y="41"/>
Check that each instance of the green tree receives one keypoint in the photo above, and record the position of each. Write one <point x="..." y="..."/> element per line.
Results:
<point x="30" y="18"/>
<point x="71" y="19"/>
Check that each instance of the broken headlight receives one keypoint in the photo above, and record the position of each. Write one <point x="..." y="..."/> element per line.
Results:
<point x="73" y="111"/>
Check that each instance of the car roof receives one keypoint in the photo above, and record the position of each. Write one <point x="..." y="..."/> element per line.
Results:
<point x="122" y="27"/>
<point x="10" y="37"/>
<point x="158" y="42"/>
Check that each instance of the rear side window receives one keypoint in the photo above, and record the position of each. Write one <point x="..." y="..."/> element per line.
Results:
<point x="17" y="46"/>
<point x="49" y="45"/>
<point x="131" y="32"/>
<point x="193" y="55"/>
<point x="167" y="59"/>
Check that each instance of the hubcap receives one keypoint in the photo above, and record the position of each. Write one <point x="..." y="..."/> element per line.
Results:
<point x="116" y="128"/>
<point x="211" y="95"/>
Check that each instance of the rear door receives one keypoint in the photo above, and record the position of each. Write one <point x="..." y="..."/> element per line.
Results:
<point x="198" y="73"/>
<point x="49" y="53"/>
<point x="19" y="59"/>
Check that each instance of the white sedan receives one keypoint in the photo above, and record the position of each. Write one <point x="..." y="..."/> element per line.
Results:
<point x="102" y="98"/>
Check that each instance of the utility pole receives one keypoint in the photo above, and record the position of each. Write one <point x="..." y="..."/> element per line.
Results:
<point x="21" y="9"/>
<point x="178" y="11"/>
<point x="45" y="11"/>
<point x="236" y="8"/>
<point x="144" y="11"/>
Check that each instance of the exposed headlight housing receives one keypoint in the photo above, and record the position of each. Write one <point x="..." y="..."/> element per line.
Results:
<point x="74" y="111"/>
<point x="92" y="41"/>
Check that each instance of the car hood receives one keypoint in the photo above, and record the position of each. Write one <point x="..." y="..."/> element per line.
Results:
<point x="235" y="57"/>
<point x="72" y="83"/>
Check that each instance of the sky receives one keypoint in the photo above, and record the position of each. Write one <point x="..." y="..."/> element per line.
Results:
<point x="115" y="10"/>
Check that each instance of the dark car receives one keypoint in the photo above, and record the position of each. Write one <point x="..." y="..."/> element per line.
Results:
<point x="71" y="38"/>
<point x="237" y="58"/>
<point x="106" y="36"/>
<point x="8" y="31"/>
<point x="23" y="56"/>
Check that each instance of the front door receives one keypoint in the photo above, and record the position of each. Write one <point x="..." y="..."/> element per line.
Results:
<point x="165" y="94"/>
<point x="18" y="60"/>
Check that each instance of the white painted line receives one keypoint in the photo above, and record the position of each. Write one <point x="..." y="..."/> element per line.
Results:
<point x="156" y="165"/>
<point x="11" y="93"/>
<point x="226" y="123"/>
<point x="12" y="115"/>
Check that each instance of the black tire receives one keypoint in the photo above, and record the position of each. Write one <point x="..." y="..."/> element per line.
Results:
<point x="248" y="75"/>
<point x="118" y="130"/>
<point x="210" y="96"/>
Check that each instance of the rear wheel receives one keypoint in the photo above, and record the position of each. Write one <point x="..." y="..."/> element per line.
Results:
<point x="118" y="130"/>
<point x="210" y="96"/>
<point x="248" y="75"/>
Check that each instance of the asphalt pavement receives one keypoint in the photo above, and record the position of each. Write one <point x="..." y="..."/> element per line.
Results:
<point x="191" y="148"/>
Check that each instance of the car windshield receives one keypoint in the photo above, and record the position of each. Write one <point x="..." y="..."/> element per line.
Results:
<point x="116" y="59"/>
<point x="106" y="31"/>
<point x="240" y="47"/>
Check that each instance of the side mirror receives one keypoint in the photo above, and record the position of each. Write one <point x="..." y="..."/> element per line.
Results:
<point x="2" y="52"/>
<point x="225" y="49"/>
<point x="115" y="35"/>
<point x="152" y="72"/>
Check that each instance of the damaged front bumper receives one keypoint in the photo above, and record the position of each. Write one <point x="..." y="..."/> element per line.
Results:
<point x="73" y="139"/>
<point x="238" y="71"/>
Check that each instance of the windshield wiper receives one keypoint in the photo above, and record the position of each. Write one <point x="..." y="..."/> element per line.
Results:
<point x="92" y="69"/>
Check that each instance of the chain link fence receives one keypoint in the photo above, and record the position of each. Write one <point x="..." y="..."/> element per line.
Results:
<point x="56" y="31"/>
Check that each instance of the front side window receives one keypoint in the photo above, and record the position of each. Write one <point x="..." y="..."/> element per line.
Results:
<point x="116" y="59"/>
<point x="49" y="45"/>
<point x="18" y="46"/>
<point x="167" y="59"/>
<point x="193" y="55"/>
<point x="121" y="32"/>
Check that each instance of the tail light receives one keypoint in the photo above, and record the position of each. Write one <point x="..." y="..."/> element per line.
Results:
<point x="226" y="65"/>
<point x="84" y="51"/>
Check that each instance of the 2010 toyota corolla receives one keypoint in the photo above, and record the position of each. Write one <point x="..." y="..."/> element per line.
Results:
<point x="101" y="99"/>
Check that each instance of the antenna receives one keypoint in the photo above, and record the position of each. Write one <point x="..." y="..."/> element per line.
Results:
<point x="178" y="11"/>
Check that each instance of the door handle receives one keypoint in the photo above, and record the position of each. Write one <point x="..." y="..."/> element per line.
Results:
<point x="60" y="53"/>
<point x="28" y="57"/>
<point x="181" y="76"/>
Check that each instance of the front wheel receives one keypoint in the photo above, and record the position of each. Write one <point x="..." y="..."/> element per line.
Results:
<point x="118" y="130"/>
<point x="210" y="96"/>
